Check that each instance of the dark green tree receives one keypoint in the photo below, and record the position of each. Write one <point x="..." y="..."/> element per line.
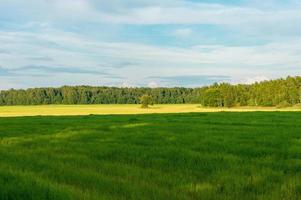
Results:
<point x="266" y="93"/>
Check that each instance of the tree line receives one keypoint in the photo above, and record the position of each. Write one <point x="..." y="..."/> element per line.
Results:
<point x="280" y="92"/>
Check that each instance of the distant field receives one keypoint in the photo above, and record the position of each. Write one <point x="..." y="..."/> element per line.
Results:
<point x="206" y="156"/>
<point x="58" y="110"/>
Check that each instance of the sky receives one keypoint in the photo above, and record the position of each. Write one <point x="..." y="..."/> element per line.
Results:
<point x="142" y="43"/>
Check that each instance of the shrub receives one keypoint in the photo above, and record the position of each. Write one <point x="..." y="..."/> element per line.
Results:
<point x="283" y="104"/>
<point x="146" y="100"/>
<point x="298" y="105"/>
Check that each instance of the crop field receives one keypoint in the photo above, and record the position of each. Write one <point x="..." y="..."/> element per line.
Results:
<point x="209" y="156"/>
<point x="59" y="110"/>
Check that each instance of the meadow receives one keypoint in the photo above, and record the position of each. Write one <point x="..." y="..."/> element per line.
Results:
<point x="206" y="156"/>
<point x="109" y="109"/>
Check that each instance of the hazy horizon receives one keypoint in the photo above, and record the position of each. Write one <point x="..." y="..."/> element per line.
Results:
<point x="147" y="86"/>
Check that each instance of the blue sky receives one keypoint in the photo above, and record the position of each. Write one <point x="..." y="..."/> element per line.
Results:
<point x="147" y="43"/>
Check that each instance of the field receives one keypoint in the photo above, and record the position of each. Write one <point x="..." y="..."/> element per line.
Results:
<point x="58" y="110"/>
<point x="209" y="156"/>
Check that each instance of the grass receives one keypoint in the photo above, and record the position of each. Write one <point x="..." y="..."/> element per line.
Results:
<point x="58" y="110"/>
<point x="206" y="156"/>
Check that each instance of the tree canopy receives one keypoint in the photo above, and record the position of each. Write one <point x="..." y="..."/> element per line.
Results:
<point x="282" y="92"/>
<point x="146" y="100"/>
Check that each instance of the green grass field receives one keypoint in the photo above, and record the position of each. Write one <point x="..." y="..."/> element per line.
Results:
<point x="105" y="109"/>
<point x="206" y="156"/>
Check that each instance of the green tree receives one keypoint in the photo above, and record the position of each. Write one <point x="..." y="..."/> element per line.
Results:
<point x="213" y="98"/>
<point x="266" y="93"/>
<point x="146" y="100"/>
<point x="228" y="94"/>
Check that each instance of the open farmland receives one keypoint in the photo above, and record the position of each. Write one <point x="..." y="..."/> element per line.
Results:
<point x="105" y="109"/>
<point x="224" y="155"/>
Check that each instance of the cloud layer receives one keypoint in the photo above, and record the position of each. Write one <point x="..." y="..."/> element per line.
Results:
<point x="119" y="42"/>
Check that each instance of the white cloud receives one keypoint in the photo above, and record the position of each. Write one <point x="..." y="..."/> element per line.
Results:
<point x="69" y="49"/>
<point x="78" y="51"/>
<point x="255" y="79"/>
<point x="125" y="84"/>
<point x="6" y="83"/>
<point x="153" y="84"/>
<point x="40" y="37"/>
<point x="155" y="12"/>
<point x="202" y="13"/>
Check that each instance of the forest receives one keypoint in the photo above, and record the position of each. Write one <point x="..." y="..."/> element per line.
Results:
<point x="281" y="92"/>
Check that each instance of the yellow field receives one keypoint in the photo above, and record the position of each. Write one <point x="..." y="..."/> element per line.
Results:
<point x="11" y="111"/>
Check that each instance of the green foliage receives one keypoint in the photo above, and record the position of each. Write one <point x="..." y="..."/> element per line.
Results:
<point x="284" y="104"/>
<point x="146" y="100"/>
<point x="267" y="93"/>
<point x="298" y="105"/>
<point x="95" y="95"/>
<point x="210" y="156"/>
<point x="213" y="98"/>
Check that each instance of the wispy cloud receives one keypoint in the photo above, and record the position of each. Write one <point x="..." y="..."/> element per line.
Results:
<point x="41" y="58"/>
<point x="251" y="80"/>
<point x="53" y="69"/>
<point x="46" y="70"/>
<point x="78" y="51"/>
<point x="129" y="41"/>
<point x="118" y="65"/>
<point x="189" y="80"/>
<point x="154" y="12"/>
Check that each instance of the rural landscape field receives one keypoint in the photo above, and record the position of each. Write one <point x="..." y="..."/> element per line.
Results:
<point x="150" y="100"/>
<point x="250" y="155"/>
<point x="121" y="109"/>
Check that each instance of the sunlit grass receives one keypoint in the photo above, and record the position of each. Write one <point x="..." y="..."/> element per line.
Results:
<point x="210" y="156"/>
<point x="59" y="110"/>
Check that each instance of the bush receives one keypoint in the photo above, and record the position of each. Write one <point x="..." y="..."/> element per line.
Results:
<point x="298" y="105"/>
<point x="146" y="100"/>
<point x="283" y="104"/>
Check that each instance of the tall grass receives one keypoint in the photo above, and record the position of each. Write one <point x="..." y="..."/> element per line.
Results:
<point x="210" y="156"/>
